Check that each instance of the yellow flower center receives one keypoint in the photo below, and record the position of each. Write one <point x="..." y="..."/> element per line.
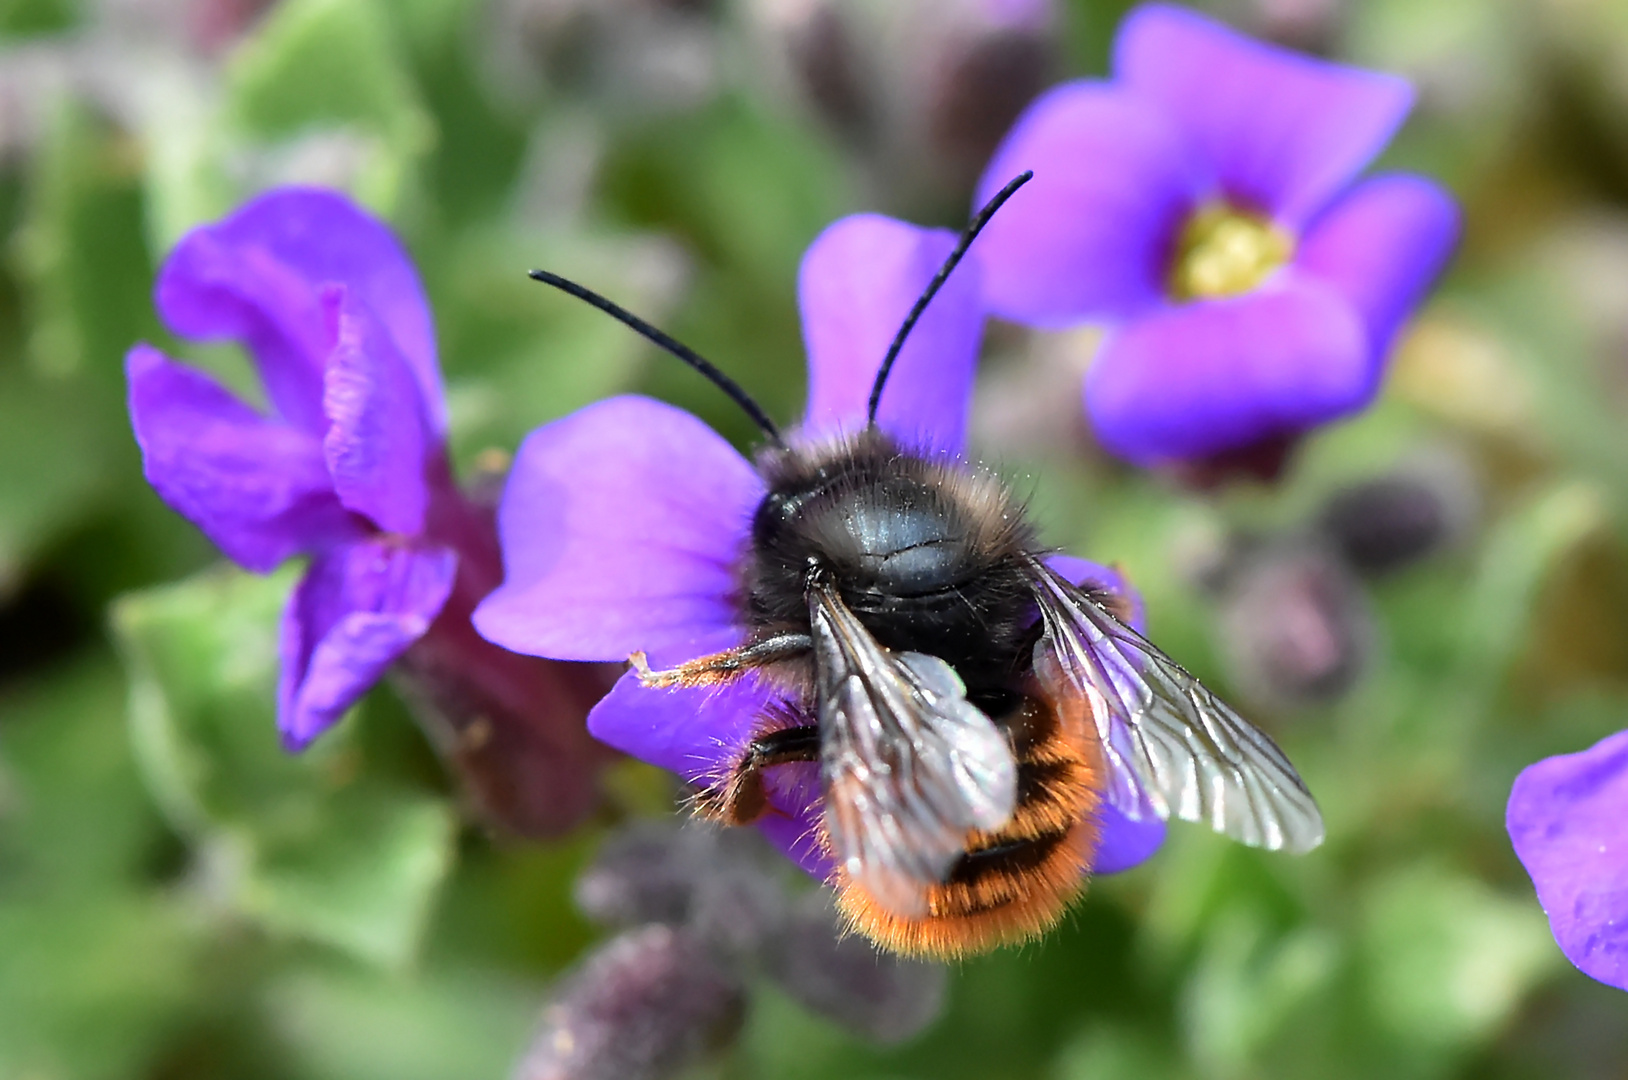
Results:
<point x="1225" y="251"/>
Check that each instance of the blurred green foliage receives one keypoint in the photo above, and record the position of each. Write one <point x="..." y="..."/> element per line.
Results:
<point x="179" y="899"/>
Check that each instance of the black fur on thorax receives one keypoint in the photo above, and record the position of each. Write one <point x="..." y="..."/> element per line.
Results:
<point x="926" y="552"/>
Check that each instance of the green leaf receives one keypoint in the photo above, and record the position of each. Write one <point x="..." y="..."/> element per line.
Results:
<point x="90" y="989"/>
<point x="54" y="459"/>
<point x="1519" y="557"/>
<point x="1249" y="985"/>
<point x="1105" y="1052"/>
<point x="360" y="877"/>
<point x="309" y="846"/>
<point x="518" y="355"/>
<point x="74" y="817"/>
<point x="187" y="147"/>
<point x="82" y="249"/>
<point x="1447" y="960"/>
<point x="22" y="18"/>
<point x="355" y="1025"/>
<point x="333" y="66"/>
<point x="85" y="279"/>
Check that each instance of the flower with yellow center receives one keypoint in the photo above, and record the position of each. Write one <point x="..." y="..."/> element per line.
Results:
<point x="1224" y="251"/>
<point x="1203" y="206"/>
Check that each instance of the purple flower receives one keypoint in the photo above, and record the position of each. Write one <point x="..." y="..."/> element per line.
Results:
<point x="348" y="468"/>
<point x="1568" y="821"/>
<point x="624" y="523"/>
<point x="1202" y="203"/>
<point x="342" y="466"/>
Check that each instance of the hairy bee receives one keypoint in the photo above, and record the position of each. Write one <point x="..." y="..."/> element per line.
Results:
<point x="971" y="710"/>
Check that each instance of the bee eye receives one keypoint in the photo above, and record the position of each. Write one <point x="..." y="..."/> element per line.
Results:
<point x="775" y="512"/>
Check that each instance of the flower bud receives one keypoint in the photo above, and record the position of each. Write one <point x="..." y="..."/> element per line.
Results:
<point x="723" y="885"/>
<point x="1311" y="26"/>
<point x="644" y="54"/>
<point x="1390" y="522"/>
<point x="923" y="89"/>
<point x="216" y="25"/>
<point x="644" y="1006"/>
<point x="845" y="978"/>
<point x="824" y="63"/>
<point x="1297" y="629"/>
<point x="983" y="73"/>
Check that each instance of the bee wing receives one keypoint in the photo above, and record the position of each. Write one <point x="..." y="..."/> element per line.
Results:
<point x="909" y="766"/>
<point x="1171" y="746"/>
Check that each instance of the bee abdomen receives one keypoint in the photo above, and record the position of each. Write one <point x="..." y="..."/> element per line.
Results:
<point x="1014" y="882"/>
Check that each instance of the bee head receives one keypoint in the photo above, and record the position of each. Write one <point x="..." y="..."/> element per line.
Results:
<point x="907" y="541"/>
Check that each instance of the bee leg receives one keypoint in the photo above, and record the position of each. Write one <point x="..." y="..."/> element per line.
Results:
<point x="741" y="799"/>
<point x="724" y="666"/>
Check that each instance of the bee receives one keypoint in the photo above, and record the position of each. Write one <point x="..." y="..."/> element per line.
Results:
<point x="971" y="710"/>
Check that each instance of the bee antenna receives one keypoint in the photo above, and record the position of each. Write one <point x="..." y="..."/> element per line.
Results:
<point x="967" y="237"/>
<point x="677" y="348"/>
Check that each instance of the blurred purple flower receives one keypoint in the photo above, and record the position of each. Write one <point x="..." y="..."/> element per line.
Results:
<point x="348" y="467"/>
<point x="623" y="524"/>
<point x="1568" y="821"/>
<point x="1202" y="202"/>
<point x="342" y="467"/>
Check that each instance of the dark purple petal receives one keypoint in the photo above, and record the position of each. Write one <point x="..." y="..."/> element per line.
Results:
<point x="1207" y="377"/>
<point x="1122" y="843"/>
<point x="378" y="438"/>
<point x="1381" y="247"/>
<point x="1091" y="234"/>
<point x="257" y="277"/>
<point x="621" y="526"/>
<point x="858" y="281"/>
<point x="1283" y="131"/>
<point x="1568" y="821"/>
<point x="358" y="607"/>
<point x="256" y="487"/>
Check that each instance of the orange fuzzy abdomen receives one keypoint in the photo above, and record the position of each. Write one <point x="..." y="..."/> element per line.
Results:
<point x="1015" y="882"/>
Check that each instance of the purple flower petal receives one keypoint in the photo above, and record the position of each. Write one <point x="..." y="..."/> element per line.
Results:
<point x="1203" y="378"/>
<point x="1381" y="247"/>
<point x="621" y="527"/>
<point x="256" y="487"/>
<point x="858" y="281"/>
<point x="793" y="825"/>
<point x="257" y="277"/>
<point x="1285" y="132"/>
<point x="1085" y="572"/>
<point x="357" y="608"/>
<point x="1122" y="843"/>
<point x="377" y="441"/>
<point x="1091" y="234"/>
<point x="210" y="291"/>
<point x="696" y="733"/>
<point x="700" y="735"/>
<point x="1568" y="821"/>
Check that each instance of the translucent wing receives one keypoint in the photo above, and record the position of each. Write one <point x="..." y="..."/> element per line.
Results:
<point x="909" y="766"/>
<point x="1171" y="746"/>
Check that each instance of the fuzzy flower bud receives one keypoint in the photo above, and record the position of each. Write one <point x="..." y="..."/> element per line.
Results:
<point x="922" y="89"/>
<point x="886" y="998"/>
<point x="1297" y="629"/>
<point x="642" y="1007"/>
<point x="1390" y="522"/>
